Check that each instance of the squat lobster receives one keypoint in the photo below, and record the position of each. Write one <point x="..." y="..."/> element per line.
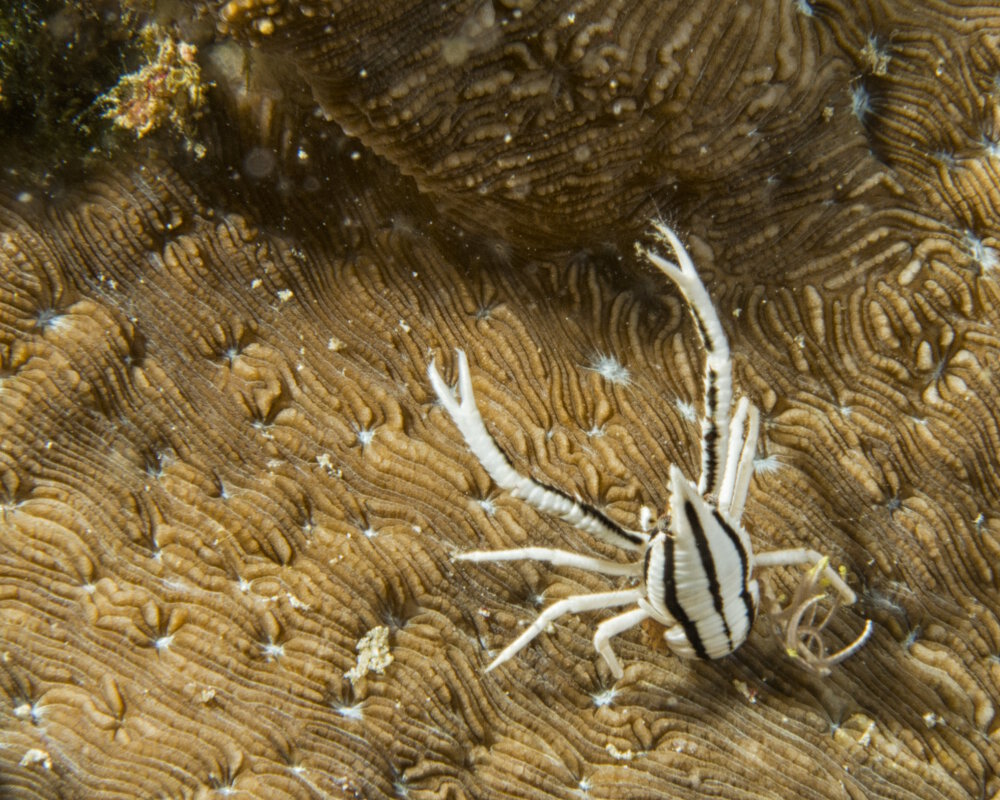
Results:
<point x="696" y="571"/>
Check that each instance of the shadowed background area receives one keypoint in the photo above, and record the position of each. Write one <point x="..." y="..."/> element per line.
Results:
<point x="228" y="500"/>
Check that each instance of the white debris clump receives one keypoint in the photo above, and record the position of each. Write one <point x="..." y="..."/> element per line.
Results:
<point x="36" y="756"/>
<point x="373" y="654"/>
<point x="623" y="755"/>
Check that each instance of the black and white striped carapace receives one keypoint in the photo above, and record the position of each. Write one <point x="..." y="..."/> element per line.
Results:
<point x="696" y="571"/>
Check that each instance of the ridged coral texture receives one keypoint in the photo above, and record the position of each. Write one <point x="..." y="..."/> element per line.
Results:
<point x="228" y="500"/>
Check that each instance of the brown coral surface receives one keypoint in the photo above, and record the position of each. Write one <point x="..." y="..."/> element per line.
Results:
<point x="228" y="501"/>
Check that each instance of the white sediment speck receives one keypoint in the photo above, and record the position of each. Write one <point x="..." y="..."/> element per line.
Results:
<point x="622" y="755"/>
<point x="295" y="603"/>
<point x="866" y="737"/>
<point x="36" y="756"/>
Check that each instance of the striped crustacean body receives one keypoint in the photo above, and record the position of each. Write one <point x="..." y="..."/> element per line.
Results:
<point x="695" y="575"/>
<point x="699" y="572"/>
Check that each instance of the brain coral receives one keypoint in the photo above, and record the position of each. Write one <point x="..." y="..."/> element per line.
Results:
<point x="228" y="501"/>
